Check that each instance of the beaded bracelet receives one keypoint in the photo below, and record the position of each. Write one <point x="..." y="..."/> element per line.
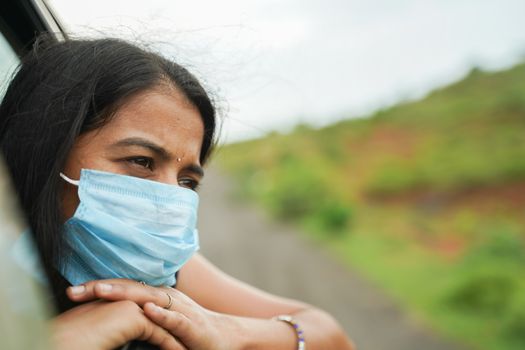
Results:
<point x="301" y="345"/>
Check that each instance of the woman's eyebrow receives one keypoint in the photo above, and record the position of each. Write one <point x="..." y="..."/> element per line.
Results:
<point x="138" y="141"/>
<point x="196" y="169"/>
<point x="159" y="150"/>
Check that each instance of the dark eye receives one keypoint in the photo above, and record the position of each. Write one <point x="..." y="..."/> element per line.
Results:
<point x="144" y="162"/>
<point x="189" y="183"/>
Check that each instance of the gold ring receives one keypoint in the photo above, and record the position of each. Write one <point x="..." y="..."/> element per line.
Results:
<point x="170" y="301"/>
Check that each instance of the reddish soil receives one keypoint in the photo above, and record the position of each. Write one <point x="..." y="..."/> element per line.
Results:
<point x="508" y="197"/>
<point x="387" y="139"/>
<point x="505" y="199"/>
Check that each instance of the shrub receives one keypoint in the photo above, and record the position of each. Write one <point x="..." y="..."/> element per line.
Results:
<point x="295" y="192"/>
<point x="514" y="326"/>
<point x="488" y="293"/>
<point x="334" y="216"/>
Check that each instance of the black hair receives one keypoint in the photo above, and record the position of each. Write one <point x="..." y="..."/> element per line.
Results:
<point x="61" y="90"/>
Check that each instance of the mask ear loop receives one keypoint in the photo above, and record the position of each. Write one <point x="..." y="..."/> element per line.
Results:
<point x="71" y="181"/>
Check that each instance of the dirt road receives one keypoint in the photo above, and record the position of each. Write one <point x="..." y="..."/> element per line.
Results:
<point x="246" y="244"/>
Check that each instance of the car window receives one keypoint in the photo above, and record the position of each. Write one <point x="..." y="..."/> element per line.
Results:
<point x="8" y="63"/>
<point x="24" y="309"/>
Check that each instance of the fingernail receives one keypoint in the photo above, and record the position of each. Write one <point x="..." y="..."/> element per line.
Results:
<point x="156" y="308"/>
<point x="80" y="289"/>
<point x="104" y="287"/>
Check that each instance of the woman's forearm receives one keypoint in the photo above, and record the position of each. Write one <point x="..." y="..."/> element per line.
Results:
<point x="320" y="329"/>
<point x="200" y="328"/>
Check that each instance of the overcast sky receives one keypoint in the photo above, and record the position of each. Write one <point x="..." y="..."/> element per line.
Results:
<point x="275" y="63"/>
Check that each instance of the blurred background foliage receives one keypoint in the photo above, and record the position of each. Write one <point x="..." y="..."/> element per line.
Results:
<point x="426" y="198"/>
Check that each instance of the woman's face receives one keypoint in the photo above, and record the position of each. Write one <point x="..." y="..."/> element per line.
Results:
<point x="156" y="135"/>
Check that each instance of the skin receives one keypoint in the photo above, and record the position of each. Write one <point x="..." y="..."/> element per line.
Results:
<point x="157" y="135"/>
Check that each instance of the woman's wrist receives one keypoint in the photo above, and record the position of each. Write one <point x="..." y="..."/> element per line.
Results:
<point x="255" y="333"/>
<point x="321" y="331"/>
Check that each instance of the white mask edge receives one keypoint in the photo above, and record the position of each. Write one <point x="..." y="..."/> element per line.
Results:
<point x="71" y="181"/>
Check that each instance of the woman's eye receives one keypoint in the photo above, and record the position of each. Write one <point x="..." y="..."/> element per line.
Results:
<point x="189" y="183"/>
<point x="144" y="162"/>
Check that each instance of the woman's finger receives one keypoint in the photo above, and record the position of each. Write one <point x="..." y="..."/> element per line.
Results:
<point x="116" y="290"/>
<point x="134" y="325"/>
<point x="161" y="337"/>
<point x="86" y="291"/>
<point x="175" y="322"/>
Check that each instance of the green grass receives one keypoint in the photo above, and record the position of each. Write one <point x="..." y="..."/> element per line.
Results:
<point x="424" y="198"/>
<point x="475" y="299"/>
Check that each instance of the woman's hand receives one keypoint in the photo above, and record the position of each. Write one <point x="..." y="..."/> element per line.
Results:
<point x="103" y="325"/>
<point x="196" y="327"/>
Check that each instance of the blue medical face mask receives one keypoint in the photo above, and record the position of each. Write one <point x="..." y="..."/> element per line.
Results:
<point x="127" y="227"/>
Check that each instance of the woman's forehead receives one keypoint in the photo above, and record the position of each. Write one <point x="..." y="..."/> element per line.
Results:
<point x="161" y="102"/>
<point x="162" y="117"/>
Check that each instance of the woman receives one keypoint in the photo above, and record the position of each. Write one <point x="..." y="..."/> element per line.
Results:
<point x="105" y="143"/>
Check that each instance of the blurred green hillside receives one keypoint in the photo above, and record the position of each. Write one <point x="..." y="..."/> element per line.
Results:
<point x="427" y="198"/>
